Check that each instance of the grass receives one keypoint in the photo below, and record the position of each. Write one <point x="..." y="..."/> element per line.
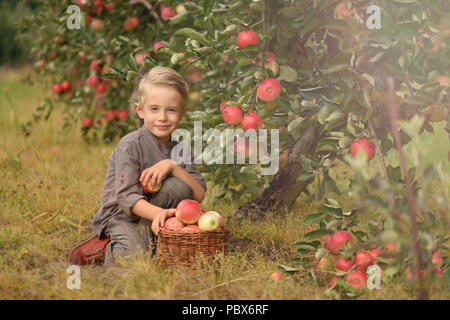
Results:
<point x="50" y="188"/>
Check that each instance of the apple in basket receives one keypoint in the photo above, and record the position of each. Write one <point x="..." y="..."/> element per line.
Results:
<point x="218" y="216"/>
<point x="173" y="224"/>
<point x="188" y="211"/>
<point x="190" y="227"/>
<point x="208" y="221"/>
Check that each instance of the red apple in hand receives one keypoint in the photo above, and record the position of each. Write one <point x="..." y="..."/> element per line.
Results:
<point x="173" y="224"/>
<point x="269" y="89"/>
<point x="149" y="188"/>
<point x="232" y="115"/>
<point x="188" y="211"/>
<point x="365" y="146"/>
<point x="247" y="37"/>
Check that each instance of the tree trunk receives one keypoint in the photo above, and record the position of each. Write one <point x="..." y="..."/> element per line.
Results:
<point x="284" y="189"/>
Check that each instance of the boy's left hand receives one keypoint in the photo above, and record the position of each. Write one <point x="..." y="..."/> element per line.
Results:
<point x="155" y="173"/>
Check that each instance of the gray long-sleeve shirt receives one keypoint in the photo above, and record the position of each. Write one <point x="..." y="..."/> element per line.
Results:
<point x="134" y="153"/>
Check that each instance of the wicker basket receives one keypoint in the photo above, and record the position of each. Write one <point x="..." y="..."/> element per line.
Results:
<point x="182" y="248"/>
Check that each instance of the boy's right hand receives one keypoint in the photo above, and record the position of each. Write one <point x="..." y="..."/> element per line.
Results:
<point x="158" y="222"/>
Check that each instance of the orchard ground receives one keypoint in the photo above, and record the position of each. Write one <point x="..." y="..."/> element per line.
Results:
<point x="50" y="187"/>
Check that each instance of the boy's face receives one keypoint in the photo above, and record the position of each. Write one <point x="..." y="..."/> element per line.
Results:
<point x="162" y="111"/>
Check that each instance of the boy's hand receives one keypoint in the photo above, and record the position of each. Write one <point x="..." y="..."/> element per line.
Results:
<point x="155" y="173"/>
<point x="158" y="222"/>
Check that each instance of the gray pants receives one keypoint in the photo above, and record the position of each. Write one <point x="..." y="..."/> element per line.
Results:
<point x="130" y="234"/>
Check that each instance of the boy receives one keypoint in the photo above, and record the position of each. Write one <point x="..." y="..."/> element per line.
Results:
<point x="127" y="215"/>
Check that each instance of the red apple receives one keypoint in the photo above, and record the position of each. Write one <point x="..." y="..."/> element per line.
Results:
<point x="337" y="241"/>
<point x="247" y="37"/>
<point x="96" y="24"/>
<point x="223" y="105"/>
<point x="130" y="23"/>
<point x="375" y="253"/>
<point x="436" y="44"/>
<point x="269" y="89"/>
<point x="362" y="260"/>
<point x="66" y="86"/>
<point x="157" y="45"/>
<point x="52" y="55"/>
<point x="344" y="264"/>
<point x="232" y="115"/>
<point x="444" y="81"/>
<point x="342" y="10"/>
<point x="188" y="211"/>
<point x="87" y="122"/>
<point x="87" y="19"/>
<point x="94" y="65"/>
<point x="332" y="283"/>
<point x="357" y="279"/>
<point x="98" y="6"/>
<point x="102" y="87"/>
<point x="436" y="259"/>
<point x="363" y="145"/>
<point x="190" y="227"/>
<point x="123" y="115"/>
<point x="251" y="121"/>
<point x="92" y="81"/>
<point x="110" y="115"/>
<point x="276" y="276"/>
<point x="149" y="188"/>
<point x="109" y="6"/>
<point x="173" y="224"/>
<point x="57" y="88"/>
<point x="140" y="57"/>
<point x="438" y="271"/>
<point x="194" y="76"/>
<point x="166" y="13"/>
<point x="391" y="248"/>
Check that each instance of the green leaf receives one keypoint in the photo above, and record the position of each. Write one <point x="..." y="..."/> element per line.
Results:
<point x="294" y="124"/>
<point x="131" y="64"/>
<point x="193" y="34"/>
<point x="316" y="234"/>
<point x="287" y="269"/>
<point x="287" y="74"/>
<point x="313" y="218"/>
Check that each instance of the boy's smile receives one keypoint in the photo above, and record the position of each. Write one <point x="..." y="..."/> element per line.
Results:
<point x="162" y="111"/>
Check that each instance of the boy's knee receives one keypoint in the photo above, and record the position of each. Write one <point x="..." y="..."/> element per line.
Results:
<point x="172" y="191"/>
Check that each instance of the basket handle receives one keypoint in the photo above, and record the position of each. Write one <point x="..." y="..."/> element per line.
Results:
<point x="203" y="209"/>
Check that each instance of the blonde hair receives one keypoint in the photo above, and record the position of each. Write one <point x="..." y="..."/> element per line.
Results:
<point x="163" y="76"/>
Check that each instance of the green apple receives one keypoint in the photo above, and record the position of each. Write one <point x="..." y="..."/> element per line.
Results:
<point x="208" y="221"/>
